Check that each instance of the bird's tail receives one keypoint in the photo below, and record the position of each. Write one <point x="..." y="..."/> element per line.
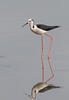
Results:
<point x="53" y="27"/>
<point x="51" y="86"/>
<point x="56" y="26"/>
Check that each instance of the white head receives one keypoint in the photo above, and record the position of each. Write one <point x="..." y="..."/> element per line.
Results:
<point x="30" y="96"/>
<point x="30" y="22"/>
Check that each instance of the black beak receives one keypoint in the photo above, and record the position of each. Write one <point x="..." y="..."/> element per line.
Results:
<point x="24" y="24"/>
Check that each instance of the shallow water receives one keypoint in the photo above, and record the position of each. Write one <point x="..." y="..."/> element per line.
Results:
<point x="20" y="49"/>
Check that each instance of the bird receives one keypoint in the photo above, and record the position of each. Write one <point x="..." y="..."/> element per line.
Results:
<point x="40" y="87"/>
<point x="41" y="29"/>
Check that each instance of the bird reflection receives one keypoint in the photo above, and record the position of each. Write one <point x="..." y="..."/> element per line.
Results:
<point x="41" y="88"/>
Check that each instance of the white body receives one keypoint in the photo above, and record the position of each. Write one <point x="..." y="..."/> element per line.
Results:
<point x="34" y="28"/>
<point x="37" y="30"/>
<point x="40" y="88"/>
<point x="36" y="88"/>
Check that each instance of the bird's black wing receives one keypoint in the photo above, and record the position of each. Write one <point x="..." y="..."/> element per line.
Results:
<point x="49" y="87"/>
<point x="46" y="27"/>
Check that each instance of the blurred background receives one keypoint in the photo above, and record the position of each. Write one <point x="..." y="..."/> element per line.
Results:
<point x="20" y="49"/>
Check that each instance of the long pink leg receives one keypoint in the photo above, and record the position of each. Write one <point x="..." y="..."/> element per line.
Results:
<point x="49" y="57"/>
<point x="42" y="60"/>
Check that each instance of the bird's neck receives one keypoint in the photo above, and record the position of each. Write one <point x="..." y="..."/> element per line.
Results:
<point x="31" y="25"/>
<point x="33" y="94"/>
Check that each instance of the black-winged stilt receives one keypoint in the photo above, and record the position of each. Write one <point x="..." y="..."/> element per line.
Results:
<point x="41" y="29"/>
<point x="40" y="88"/>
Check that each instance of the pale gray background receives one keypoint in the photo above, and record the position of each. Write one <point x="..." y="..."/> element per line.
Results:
<point x="20" y="49"/>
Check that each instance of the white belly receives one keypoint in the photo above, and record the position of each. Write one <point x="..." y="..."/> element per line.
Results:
<point x="38" y="31"/>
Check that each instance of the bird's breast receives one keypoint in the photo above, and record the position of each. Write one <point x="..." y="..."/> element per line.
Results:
<point x="38" y="31"/>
